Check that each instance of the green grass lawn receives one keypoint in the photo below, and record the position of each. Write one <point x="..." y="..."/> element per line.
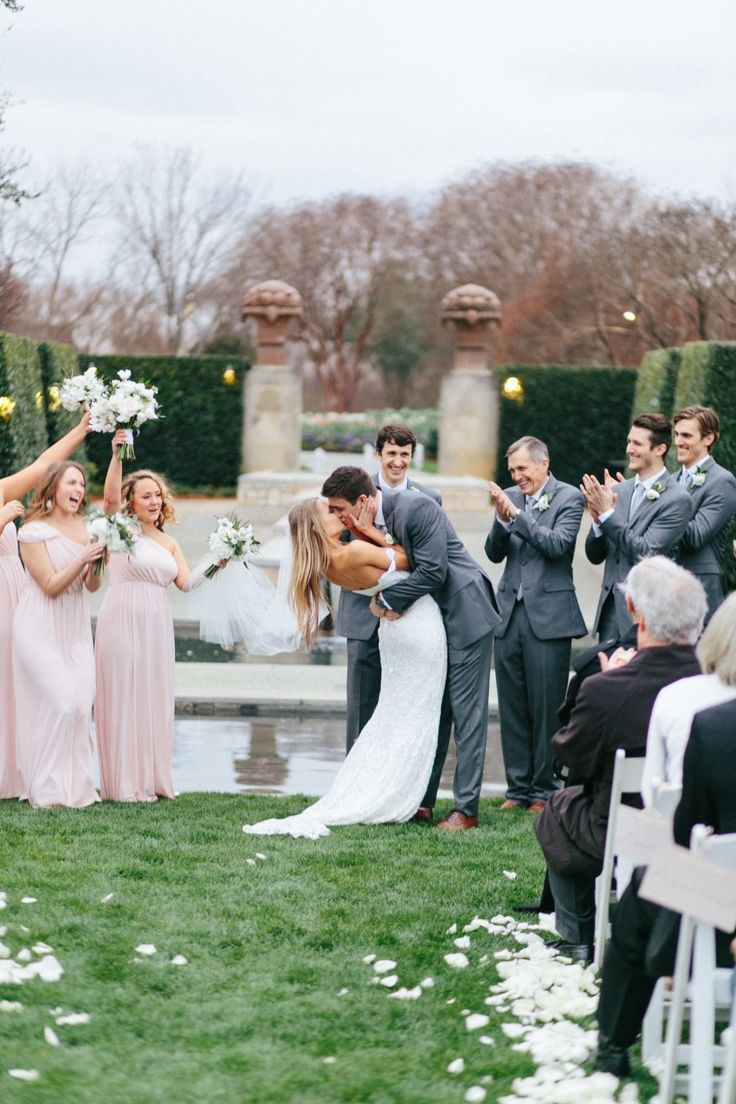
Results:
<point x="270" y="947"/>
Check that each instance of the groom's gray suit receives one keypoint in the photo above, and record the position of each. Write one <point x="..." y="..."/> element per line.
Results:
<point x="442" y="566"/>
<point x="703" y="543"/>
<point x="539" y="616"/>
<point x="654" y="530"/>
<point x="355" y="621"/>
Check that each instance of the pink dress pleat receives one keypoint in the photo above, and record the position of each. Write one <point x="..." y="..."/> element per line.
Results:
<point x="53" y="666"/>
<point x="12" y="584"/>
<point x="134" y="647"/>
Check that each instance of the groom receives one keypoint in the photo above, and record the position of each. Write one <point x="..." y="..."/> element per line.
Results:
<point x="441" y="566"/>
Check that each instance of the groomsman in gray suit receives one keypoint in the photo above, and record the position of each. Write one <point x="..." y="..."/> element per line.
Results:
<point x="443" y="567"/>
<point x="536" y="525"/>
<point x="712" y="491"/>
<point x="395" y="447"/>
<point x="636" y="518"/>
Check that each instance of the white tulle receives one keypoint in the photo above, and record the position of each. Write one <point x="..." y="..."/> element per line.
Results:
<point x="241" y="604"/>
<point x="386" y="773"/>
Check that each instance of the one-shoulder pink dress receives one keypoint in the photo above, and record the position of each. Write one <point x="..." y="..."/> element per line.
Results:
<point x="134" y="647"/>
<point x="12" y="584"/>
<point x="53" y="666"/>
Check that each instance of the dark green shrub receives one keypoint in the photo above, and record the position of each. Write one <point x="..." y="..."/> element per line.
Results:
<point x="58" y="362"/>
<point x="708" y="377"/>
<point x="196" y="442"/>
<point x="22" y="419"/>
<point x="656" y="382"/>
<point x="582" y="413"/>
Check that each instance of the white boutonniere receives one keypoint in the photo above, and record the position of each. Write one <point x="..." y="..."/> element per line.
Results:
<point x="698" y="477"/>
<point x="542" y="503"/>
<point x="389" y="538"/>
<point x="655" y="491"/>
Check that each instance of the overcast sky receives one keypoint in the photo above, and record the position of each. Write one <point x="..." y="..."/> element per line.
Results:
<point x="313" y="97"/>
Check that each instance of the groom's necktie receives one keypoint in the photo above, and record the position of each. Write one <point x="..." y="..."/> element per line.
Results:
<point x="636" y="499"/>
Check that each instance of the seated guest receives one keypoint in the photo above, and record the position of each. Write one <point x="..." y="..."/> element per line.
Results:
<point x="677" y="704"/>
<point x="612" y="711"/>
<point x="644" y="936"/>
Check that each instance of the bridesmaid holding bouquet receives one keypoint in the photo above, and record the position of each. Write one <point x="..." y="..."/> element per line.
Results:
<point x="53" y="661"/>
<point x="134" y="646"/>
<point x="12" y="583"/>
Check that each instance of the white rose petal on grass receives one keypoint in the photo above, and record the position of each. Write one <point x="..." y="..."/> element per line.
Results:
<point x="24" y="1074"/>
<point x="179" y="960"/>
<point x="510" y="874"/>
<point x="369" y="958"/>
<point x="251" y="862"/>
<point x="476" y="1020"/>
<point x="427" y="983"/>
<point x="486" y="1040"/>
<point x="451" y="1000"/>
<point x="42" y="949"/>
<point x="513" y="1030"/>
<point x="48" y="969"/>
<point x="24" y="955"/>
<point x="51" y="1037"/>
<point x="343" y="992"/>
<point x="72" y="1019"/>
<point x="329" y="1060"/>
<point x="146" y="949"/>
<point x="384" y="965"/>
<point x="390" y="981"/>
<point x="463" y="942"/>
<point x="10" y="1006"/>
<point x="475" y="1094"/>
<point x="261" y="856"/>
<point x="457" y="1065"/>
<point x="407" y="994"/>
<point x="106" y="898"/>
<point x="458" y="961"/>
<point x="451" y="930"/>
<point x="29" y="900"/>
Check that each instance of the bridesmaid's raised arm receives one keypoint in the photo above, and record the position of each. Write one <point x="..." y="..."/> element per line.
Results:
<point x="20" y="483"/>
<point x="114" y="477"/>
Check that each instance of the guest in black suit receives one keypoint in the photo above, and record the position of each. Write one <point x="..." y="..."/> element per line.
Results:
<point x="644" y="936"/>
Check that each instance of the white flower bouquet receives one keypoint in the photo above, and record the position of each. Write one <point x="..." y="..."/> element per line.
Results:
<point x="231" y="539"/>
<point x="118" y="533"/>
<point x="126" y="405"/>
<point x="82" y="391"/>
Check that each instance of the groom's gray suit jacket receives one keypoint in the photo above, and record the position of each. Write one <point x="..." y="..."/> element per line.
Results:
<point x="703" y="543"/>
<point x="538" y="549"/>
<point x="654" y="530"/>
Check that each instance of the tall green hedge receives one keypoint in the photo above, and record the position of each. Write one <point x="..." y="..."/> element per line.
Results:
<point x="707" y="377"/>
<point x="582" y="413"/>
<point x="196" y="442"/>
<point x="656" y="382"/>
<point x="23" y="432"/>
<point x="58" y="362"/>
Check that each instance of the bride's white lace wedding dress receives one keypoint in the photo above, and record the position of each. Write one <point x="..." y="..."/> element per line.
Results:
<point x="384" y="777"/>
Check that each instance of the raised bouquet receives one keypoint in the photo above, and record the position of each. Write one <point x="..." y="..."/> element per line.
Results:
<point x="118" y="533"/>
<point x="123" y="404"/>
<point x="231" y="539"/>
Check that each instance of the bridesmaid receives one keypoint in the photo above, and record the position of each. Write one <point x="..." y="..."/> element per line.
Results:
<point x="12" y="582"/>
<point x="53" y="662"/>
<point x="134" y="644"/>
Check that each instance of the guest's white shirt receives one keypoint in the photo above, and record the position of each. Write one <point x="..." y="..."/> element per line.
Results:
<point x="670" y="723"/>
<point x="384" y="486"/>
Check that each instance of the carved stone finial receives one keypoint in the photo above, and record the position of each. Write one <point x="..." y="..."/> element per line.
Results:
<point x="471" y="304"/>
<point x="272" y="299"/>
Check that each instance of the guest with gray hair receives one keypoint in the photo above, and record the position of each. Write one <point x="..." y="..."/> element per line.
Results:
<point x="677" y="704"/>
<point x="612" y="711"/>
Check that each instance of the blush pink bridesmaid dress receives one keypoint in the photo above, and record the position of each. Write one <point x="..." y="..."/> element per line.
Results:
<point x="12" y="584"/>
<point x="53" y="666"/>
<point x="134" y="647"/>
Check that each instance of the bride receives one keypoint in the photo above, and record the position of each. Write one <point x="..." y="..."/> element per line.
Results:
<point x="387" y="770"/>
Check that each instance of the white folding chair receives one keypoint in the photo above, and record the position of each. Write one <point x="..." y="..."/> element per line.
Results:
<point x="727" y="1094"/>
<point x="709" y="993"/>
<point x="627" y="776"/>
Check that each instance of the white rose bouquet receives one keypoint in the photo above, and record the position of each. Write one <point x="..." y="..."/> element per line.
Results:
<point x="126" y="405"/>
<point x="118" y="532"/>
<point x="232" y="539"/>
<point x="82" y="391"/>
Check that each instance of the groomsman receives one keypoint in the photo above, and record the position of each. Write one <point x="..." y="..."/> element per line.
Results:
<point x="395" y="447"/>
<point x="639" y="517"/>
<point x="712" y="491"/>
<point x="536" y="525"/>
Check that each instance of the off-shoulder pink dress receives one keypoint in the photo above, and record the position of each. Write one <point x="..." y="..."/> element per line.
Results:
<point x="12" y="583"/>
<point x="53" y="666"/>
<point x="134" y="646"/>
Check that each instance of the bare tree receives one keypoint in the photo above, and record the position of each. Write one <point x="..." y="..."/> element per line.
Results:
<point x="178" y="231"/>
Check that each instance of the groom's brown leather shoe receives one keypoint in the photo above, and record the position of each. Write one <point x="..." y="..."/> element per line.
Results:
<point x="423" y="815"/>
<point x="457" y="822"/>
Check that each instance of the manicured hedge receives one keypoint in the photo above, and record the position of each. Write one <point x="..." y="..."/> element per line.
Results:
<point x="58" y="362"/>
<point x="22" y="425"/>
<point x="196" y="442"/>
<point x="582" y="413"/>
<point x="656" y="382"/>
<point x="707" y="376"/>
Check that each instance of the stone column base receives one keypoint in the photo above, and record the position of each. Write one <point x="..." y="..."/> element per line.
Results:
<point x="468" y="432"/>
<point x="271" y="420"/>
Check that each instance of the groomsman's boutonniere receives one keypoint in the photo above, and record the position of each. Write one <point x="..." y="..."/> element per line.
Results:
<point x="542" y="503"/>
<point x="698" y="476"/>
<point x="655" y="491"/>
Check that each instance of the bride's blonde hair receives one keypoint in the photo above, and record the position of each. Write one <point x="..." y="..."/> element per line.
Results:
<point x="310" y="562"/>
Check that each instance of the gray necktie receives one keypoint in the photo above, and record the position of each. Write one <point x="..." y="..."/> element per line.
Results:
<point x="687" y="480"/>
<point x="636" y="499"/>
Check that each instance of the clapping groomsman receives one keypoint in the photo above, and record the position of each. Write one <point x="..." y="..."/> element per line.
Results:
<point x="534" y="531"/>
<point x="712" y="491"/>
<point x="639" y="517"/>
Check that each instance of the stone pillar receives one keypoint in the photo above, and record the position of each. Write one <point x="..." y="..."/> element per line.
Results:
<point x="273" y="390"/>
<point x="468" y="431"/>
